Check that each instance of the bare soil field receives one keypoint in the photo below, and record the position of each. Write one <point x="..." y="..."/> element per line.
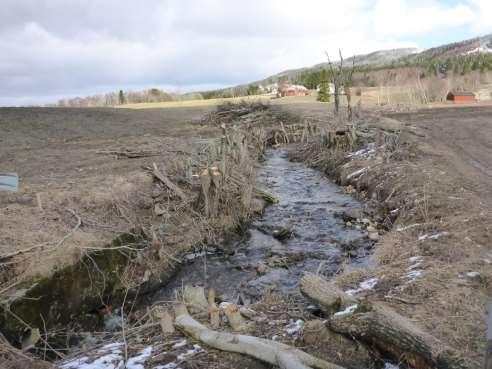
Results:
<point x="465" y="132"/>
<point x="81" y="160"/>
<point x="424" y="177"/>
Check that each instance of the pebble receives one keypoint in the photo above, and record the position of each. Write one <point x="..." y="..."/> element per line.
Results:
<point x="373" y="236"/>
<point x="371" y="229"/>
<point x="348" y="224"/>
<point x="473" y="275"/>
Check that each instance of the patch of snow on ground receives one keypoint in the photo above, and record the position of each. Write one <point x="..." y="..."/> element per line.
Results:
<point x="366" y="153"/>
<point x="191" y="352"/>
<point x="181" y="358"/>
<point x="368" y="284"/>
<point x="357" y="173"/>
<point x="404" y="228"/>
<point x="224" y="305"/>
<point x="347" y="311"/>
<point x="138" y="362"/>
<point x="413" y="275"/>
<point x="434" y="236"/>
<point x="112" y="358"/>
<point x="180" y="344"/>
<point x="390" y="366"/>
<point x="294" y="327"/>
<point x="416" y="262"/>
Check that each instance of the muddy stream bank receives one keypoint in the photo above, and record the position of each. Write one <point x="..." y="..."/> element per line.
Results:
<point x="303" y="232"/>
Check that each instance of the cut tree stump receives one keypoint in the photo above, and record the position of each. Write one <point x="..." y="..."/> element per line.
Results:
<point x="326" y="294"/>
<point x="274" y="353"/>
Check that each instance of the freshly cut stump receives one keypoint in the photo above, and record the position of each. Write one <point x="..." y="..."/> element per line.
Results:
<point x="326" y="294"/>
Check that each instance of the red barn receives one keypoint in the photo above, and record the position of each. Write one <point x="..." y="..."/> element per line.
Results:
<point x="460" y="97"/>
<point x="293" y="90"/>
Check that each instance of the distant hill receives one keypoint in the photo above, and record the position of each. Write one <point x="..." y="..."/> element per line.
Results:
<point x="398" y="57"/>
<point x="375" y="59"/>
<point x="475" y="45"/>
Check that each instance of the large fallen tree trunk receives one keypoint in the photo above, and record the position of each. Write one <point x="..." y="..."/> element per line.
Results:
<point x="395" y="334"/>
<point x="274" y="353"/>
<point x="384" y="329"/>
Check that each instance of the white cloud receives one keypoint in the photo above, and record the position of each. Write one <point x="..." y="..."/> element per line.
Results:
<point x="56" y="48"/>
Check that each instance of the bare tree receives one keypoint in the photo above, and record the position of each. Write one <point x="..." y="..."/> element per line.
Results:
<point x="341" y="78"/>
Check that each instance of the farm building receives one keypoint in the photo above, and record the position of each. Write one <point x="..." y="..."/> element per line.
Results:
<point x="293" y="90"/>
<point x="458" y="97"/>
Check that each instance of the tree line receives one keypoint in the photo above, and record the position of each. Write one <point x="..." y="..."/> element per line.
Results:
<point x="317" y="78"/>
<point x="153" y="95"/>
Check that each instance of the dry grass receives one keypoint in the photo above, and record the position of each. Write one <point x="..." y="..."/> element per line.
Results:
<point x="407" y="182"/>
<point x="193" y="103"/>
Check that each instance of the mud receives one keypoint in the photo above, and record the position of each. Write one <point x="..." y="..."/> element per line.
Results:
<point x="316" y="238"/>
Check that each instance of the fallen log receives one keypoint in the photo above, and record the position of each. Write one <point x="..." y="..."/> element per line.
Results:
<point x="271" y="352"/>
<point x="167" y="182"/>
<point x="382" y="328"/>
<point x="396" y="335"/>
<point x="326" y="294"/>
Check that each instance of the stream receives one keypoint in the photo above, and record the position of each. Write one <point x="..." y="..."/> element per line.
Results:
<point x="308" y="204"/>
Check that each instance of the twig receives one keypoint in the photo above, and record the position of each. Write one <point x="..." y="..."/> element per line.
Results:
<point x="167" y="182"/>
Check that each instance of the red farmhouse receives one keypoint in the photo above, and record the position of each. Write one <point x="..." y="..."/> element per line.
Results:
<point x="458" y="97"/>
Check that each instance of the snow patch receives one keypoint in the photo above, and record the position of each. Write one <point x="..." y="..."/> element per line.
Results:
<point x="368" y="284"/>
<point x="191" y="352"/>
<point x="390" y="366"/>
<point x="404" y="228"/>
<point x="357" y="173"/>
<point x="365" y="153"/>
<point x="481" y="49"/>
<point x="138" y="362"/>
<point x="224" y="305"/>
<point x="294" y="327"/>
<point x="434" y="236"/>
<point x="180" y="344"/>
<point x="347" y="311"/>
<point x="112" y="359"/>
<point x="413" y="275"/>
<point x="181" y="357"/>
<point x="416" y="262"/>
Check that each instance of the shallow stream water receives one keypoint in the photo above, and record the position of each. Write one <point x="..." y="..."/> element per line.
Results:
<point x="308" y="204"/>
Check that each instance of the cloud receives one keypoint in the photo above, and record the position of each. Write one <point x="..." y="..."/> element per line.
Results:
<point x="57" y="48"/>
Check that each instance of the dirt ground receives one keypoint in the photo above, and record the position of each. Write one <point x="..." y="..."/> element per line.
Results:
<point x="68" y="162"/>
<point x="75" y="161"/>
<point x="433" y="195"/>
<point x="465" y="132"/>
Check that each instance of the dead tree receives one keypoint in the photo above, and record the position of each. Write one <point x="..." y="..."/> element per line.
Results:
<point x="341" y="79"/>
<point x="347" y="84"/>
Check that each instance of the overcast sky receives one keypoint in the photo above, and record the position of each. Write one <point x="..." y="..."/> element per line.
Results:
<point x="63" y="48"/>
